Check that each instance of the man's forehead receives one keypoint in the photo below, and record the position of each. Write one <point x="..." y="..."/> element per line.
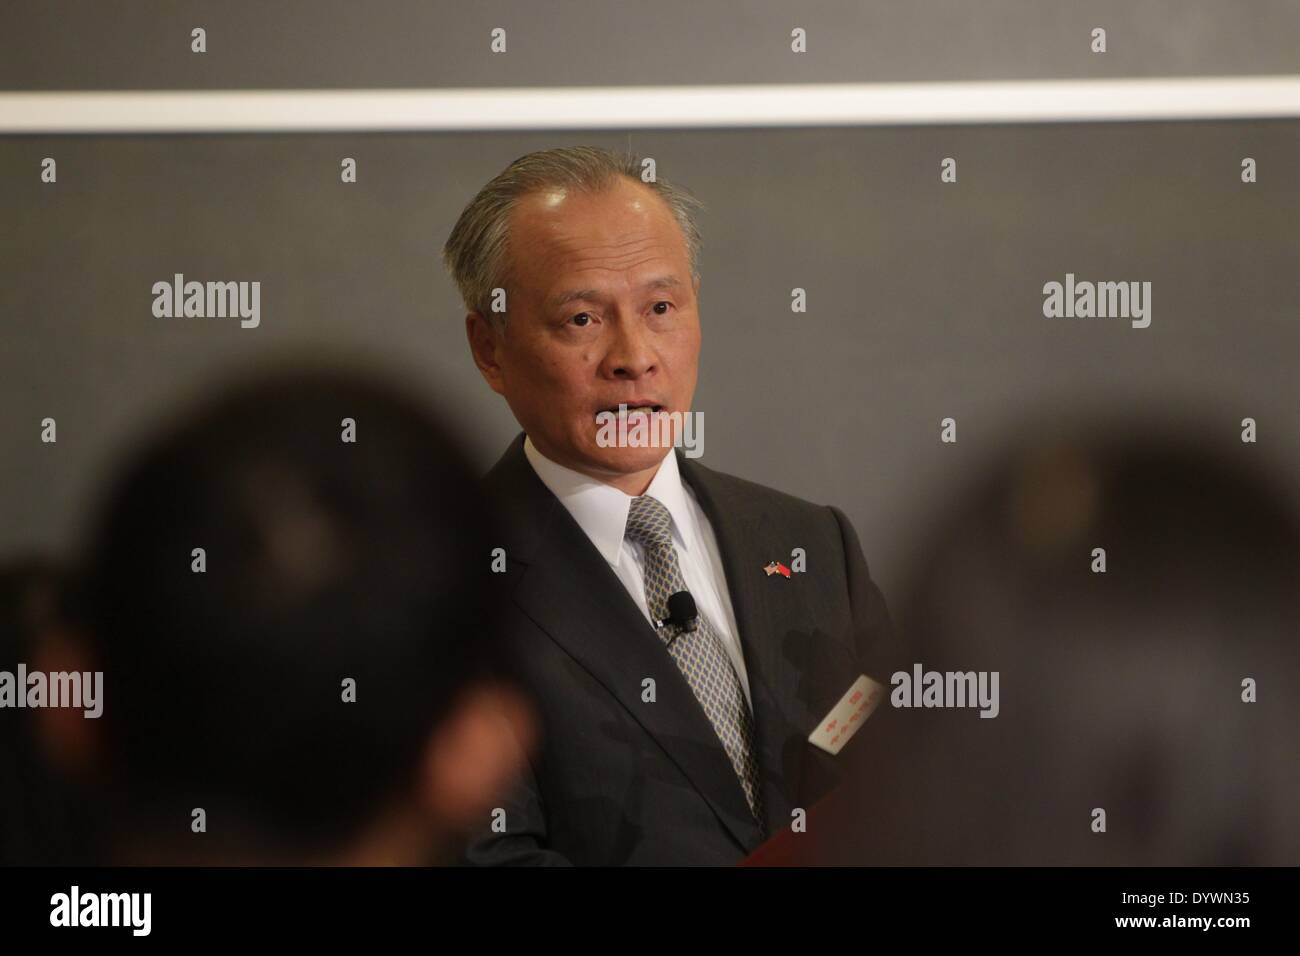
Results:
<point x="569" y="243"/>
<point x="561" y="216"/>
<point x="560" y="197"/>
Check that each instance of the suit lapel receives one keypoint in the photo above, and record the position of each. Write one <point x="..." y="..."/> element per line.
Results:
<point x="569" y="591"/>
<point x="744" y="540"/>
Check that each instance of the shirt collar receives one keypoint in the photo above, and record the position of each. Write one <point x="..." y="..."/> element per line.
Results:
<point x="601" y="509"/>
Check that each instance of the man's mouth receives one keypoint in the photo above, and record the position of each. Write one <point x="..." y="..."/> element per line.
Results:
<point x="630" y="409"/>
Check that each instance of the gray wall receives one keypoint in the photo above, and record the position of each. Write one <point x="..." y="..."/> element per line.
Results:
<point x="144" y="44"/>
<point x="925" y="299"/>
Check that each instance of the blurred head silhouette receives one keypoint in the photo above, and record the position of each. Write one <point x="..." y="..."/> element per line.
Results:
<point x="1138" y="591"/>
<point x="286" y="594"/>
<point x="41" y="823"/>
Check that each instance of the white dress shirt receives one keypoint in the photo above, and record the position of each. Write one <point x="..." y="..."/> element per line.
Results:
<point x="601" y="511"/>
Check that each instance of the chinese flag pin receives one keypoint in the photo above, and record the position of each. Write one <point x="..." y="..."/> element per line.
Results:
<point x="776" y="567"/>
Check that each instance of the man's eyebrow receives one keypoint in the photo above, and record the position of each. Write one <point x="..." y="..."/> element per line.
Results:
<point x="658" y="282"/>
<point x="662" y="282"/>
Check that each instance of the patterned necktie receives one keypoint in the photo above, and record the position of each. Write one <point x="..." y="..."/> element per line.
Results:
<point x="699" y="653"/>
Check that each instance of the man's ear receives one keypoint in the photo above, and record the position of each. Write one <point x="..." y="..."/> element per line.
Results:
<point x="474" y="754"/>
<point x="484" y="340"/>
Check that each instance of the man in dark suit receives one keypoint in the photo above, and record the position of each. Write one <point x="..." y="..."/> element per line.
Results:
<point x="664" y="743"/>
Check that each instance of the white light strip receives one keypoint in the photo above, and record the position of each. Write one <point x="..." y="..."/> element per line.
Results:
<point x="649" y="107"/>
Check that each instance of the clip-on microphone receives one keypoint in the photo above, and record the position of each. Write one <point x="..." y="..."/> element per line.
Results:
<point x="682" y="613"/>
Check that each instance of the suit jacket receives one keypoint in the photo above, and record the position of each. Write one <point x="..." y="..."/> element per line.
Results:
<point x="619" y="780"/>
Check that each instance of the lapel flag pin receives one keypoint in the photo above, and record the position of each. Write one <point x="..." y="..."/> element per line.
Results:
<point x="776" y="567"/>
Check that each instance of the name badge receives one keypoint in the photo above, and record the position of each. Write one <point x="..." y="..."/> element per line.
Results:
<point x="848" y="715"/>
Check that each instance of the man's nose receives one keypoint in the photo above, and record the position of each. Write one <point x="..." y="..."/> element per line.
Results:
<point x="630" y="354"/>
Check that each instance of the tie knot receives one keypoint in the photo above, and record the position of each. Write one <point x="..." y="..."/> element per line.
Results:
<point x="649" y="523"/>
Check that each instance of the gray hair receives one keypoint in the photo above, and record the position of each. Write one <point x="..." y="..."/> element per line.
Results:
<point x="477" y="253"/>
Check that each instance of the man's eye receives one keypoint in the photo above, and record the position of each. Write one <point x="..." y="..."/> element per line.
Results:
<point x="581" y="319"/>
<point x="659" y="303"/>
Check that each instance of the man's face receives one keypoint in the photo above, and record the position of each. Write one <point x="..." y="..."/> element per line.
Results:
<point x="601" y="312"/>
